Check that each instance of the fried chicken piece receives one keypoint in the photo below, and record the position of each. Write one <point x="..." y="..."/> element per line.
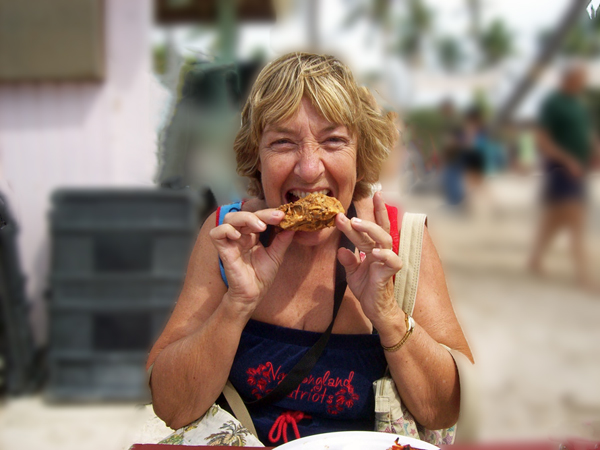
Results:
<point x="311" y="213"/>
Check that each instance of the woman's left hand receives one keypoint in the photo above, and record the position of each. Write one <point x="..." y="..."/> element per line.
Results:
<point x="371" y="279"/>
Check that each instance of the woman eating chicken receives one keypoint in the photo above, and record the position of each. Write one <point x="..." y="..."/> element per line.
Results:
<point x="256" y="297"/>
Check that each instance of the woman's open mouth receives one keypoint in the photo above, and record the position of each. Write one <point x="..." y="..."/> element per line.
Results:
<point x="294" y="195"/>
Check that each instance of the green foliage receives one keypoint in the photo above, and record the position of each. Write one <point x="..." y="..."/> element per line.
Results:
<point x="376" y="11"/>
<point x="495" y="43"/>
<point x="450" y="52"/>
<point x="426" y="127"/>
<point x="481" y="102"/>
<point x="584" y="38"/>
<point x="414" y="27"/>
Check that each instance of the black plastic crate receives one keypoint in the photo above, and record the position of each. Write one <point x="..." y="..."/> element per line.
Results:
<point x="104" y="290"/>
<point x="99" y="232"/>
<point x="104" y="252"/>
<point x="118" y="263"/>
<point x="94" y="330"/>
<point x="127" y="208"/>
<point x="97" y="377"/>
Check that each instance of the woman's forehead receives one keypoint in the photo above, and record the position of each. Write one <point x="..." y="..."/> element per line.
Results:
<point x="306" y="113"/>
<point x="292" y="126"/>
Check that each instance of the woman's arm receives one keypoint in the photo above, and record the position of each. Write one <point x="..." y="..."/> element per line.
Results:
<point x="424" y="372"/>
<point x="193" y="356"/>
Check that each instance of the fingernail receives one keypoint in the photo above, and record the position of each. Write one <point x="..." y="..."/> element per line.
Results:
<point x="356" y="220"/>
<point x="343" y="217"/>
<point x="277" y="214"/>
<point x="376" y="250"/>
<point x="262" y="225"/>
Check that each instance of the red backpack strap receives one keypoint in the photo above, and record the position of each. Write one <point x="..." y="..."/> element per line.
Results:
<point x="394" y="226"/>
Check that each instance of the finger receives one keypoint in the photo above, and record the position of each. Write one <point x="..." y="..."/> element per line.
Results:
<point x="279" y="246"/>
<point x="248" y="240"/>
<point x="389" y="258"/>
<point x="224" y="232"/>
<point x="349" y="260"/>
<point x="361" y="240"/>
<point x="381" y="215"/>
<point x="270" y="216"/>
<point x="245" y="222"/>
<point x="372" y="232"/>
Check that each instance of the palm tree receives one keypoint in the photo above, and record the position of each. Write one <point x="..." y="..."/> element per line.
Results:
<point x="377" y="13"/>
<point x="495" y="43"/>
<point x="415" y="26"/>
<point x="450" y="52"/>
<point x="584" y="38"/>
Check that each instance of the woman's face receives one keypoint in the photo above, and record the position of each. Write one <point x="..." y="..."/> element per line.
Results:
<point x="307" y="154"/>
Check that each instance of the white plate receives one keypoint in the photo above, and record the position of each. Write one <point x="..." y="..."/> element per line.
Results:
<point x="353" y="440"/>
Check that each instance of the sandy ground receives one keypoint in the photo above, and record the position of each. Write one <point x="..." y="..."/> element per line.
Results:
<point x="535" y="339"/>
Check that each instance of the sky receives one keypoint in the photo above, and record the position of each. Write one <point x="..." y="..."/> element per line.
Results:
<point x="361" y="49"/>
<point x="525" y="18"/>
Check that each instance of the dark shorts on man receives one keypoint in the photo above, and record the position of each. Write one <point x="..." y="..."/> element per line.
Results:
<point x="560" y="185"/>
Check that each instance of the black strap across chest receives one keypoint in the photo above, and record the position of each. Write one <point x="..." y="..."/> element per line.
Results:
<point x="303" y="367"/>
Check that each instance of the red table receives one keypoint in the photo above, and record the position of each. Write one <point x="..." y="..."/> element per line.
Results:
<point x="546" y="445"/>
<point x="190" y="447"/>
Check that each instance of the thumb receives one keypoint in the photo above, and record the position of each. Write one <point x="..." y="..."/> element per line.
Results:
<point x="349" y="260"/>
<point x="279" y="246"/>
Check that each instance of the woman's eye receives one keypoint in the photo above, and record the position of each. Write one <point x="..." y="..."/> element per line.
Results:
<point x="334" y="141"/>
<point x="281" y="143"/>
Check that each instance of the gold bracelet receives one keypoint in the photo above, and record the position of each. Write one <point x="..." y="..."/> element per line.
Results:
<point x="410" y="326"/>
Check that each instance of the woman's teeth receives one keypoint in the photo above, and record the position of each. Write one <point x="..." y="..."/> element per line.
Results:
<point x="302" y="194"/>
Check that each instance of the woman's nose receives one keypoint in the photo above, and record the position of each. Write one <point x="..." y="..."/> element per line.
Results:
<point x="309" y="166"/>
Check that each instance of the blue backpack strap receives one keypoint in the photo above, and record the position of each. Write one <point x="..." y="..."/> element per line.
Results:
<point x="221" y="212"/>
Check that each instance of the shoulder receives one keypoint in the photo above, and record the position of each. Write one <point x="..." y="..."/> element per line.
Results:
<point x="253" y="204"/>
<point x="250" y="205"/>
<point x="553" y="102"/>
<point x="550" y="110"/>
<point x="200" y="295"/>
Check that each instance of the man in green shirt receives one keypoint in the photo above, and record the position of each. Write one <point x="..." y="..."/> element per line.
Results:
<point x="566" y="140"/>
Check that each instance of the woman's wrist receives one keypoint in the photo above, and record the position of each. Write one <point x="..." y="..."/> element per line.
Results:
<point x="410" y="327"/>
<point x="391" y="328"/>
<point x="237" y="310"/>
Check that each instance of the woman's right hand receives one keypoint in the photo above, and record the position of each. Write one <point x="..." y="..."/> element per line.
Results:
<point x="249" y="266"/>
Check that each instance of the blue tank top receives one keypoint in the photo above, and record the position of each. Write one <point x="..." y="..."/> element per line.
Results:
<point x="336" y="396"/>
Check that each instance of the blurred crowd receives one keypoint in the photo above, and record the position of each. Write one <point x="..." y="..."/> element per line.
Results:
<point x="561" y="145"/>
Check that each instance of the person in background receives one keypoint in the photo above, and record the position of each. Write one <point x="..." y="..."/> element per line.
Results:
<point x="474" y="139"/>
<point x="566" y="141"/>
<point x="450" y="148"/>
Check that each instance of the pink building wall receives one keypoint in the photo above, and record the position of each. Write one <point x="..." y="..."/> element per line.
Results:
<point x="58" y="134"/>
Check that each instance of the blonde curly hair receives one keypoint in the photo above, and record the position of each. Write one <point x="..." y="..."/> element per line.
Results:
<point x="330" y="86"/>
